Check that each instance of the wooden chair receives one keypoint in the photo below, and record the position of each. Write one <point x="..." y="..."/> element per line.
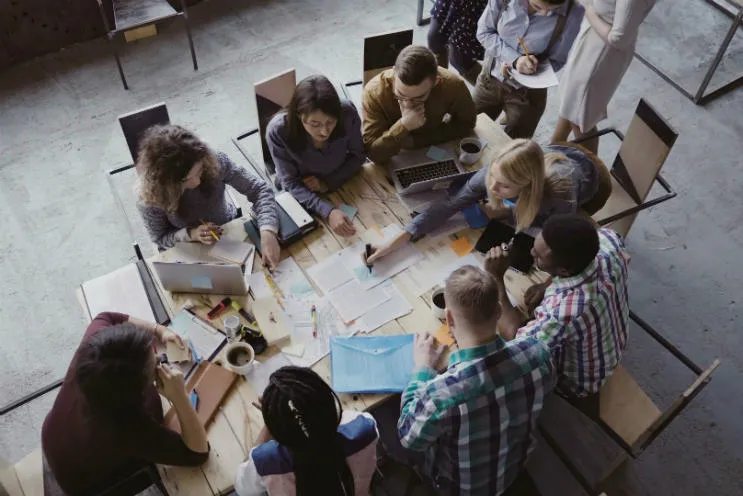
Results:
<point x="380" y="53"/>
<point x="271" y="96"/>
<point x="132" y="14"/>
<point x="419" y="19"/>
<point x="636" y="167"/>
<point x="627" y="415"/>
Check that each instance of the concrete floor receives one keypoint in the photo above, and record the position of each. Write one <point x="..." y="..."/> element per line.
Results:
<point x="58" y="134"/>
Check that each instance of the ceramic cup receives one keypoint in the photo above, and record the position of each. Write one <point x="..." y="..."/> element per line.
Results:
<point x="438" y="303"/>
<point x="232" y="326"/>
<point x="240" y="357"/>
<point x="470" y="150"/>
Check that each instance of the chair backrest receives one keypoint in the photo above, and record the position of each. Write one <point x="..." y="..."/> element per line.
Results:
<point x="646" y="145"/>
<point x="381" y="51"/>
<point x="134" y="124"/>
<point x="272" y="95"/>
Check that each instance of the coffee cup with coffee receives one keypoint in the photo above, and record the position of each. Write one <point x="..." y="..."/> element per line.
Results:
<point x="240" y="357"/>
<point x="438" y="304"/>
<point x="470" y="150"/>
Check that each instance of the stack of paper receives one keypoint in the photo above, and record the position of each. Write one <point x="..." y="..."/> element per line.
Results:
<point x="231" y="251"/>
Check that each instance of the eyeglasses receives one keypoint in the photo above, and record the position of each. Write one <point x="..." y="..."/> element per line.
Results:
<point x="418" y="99"/>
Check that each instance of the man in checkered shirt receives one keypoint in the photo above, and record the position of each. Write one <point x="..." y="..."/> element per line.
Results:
<point x="476" y="420"/>
<point x="583" y="312"/>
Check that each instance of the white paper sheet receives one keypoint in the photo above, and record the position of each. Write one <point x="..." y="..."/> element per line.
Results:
<point x="352" y="300"/>
<point x="204" y="338"/>
<point x="120" y="291"/>
<point x="545" y="76"/>
<point x="288" y="276"/>
<point x="330" y="273"/>
<point x="237" y="252"/>
<point x="394" y="308"/>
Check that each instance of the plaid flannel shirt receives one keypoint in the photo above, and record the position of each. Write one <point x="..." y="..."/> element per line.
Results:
<point x="476" y="420"/>
<point x="583" y="318"/>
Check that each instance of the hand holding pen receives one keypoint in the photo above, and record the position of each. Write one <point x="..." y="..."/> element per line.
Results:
<point x="498" y="259"/>
<point x="207" y="233"/>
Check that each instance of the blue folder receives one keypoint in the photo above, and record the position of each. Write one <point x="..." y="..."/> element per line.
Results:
<point x="373" y="364"/>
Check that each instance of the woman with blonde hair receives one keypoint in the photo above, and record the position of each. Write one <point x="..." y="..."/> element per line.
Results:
<point x="182" y="194"/>
<point x="525" y="185"/>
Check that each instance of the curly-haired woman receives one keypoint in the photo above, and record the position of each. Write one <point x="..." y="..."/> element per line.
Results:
<point x="182" y="182"/>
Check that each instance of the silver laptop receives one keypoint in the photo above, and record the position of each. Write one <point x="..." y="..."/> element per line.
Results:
<point x="210" y="278"/>
<point x="413" y="171"/>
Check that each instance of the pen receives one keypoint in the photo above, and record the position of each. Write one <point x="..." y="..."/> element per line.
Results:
<point x="193" y="352"/>
<point x="523" y="47"/>
<point x="368" y="254"/>
<point x="314" y="321"/>
<point x="210" y="230"/>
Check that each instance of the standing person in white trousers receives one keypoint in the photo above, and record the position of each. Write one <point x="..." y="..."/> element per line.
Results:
<point x="600" y="57"/>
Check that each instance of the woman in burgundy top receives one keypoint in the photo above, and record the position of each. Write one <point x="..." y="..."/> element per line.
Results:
<point x="106" y="422"/>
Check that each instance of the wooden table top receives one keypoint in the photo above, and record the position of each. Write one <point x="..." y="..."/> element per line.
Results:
<point x="238" y="423"/>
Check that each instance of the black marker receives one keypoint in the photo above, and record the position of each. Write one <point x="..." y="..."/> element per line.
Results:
<point x="368" y="254"/>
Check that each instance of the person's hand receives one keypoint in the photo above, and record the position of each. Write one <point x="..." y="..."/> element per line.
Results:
<point x="379" y="251"/>
<point x="413" y="117"/>
<point x="270" y="248"/>
<point x="314" y="184"/>
<point x="340" y="223"/>
<point x="170" y="382"/>
<point x="497" y="260"/>
<point x="426" y="351"/>
<point x="505" y="71"/>
<point x="203" y="233"/>
<point x="165" y="336"/>
<point x="534" y="295"/>
<point x="527" y="64"/>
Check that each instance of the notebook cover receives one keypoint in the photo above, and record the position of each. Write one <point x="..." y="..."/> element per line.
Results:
<point x="276" y="330"/>
<point x="212" y="382"/>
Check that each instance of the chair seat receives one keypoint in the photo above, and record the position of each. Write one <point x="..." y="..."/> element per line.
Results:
<point x="129" y="14"/>
<point x="619" y="201"/>
<point x="625" y="407"/>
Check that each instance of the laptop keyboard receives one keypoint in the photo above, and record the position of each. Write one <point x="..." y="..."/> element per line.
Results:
<point x="426" y="172"/>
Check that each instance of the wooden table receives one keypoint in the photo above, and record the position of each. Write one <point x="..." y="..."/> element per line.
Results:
<point x="237" y="424"/>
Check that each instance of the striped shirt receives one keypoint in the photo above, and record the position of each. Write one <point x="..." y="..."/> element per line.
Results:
<point x="583" y="318"/>
<point x="476" y="421"/>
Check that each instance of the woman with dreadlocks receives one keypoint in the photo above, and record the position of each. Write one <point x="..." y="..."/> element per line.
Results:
<point x="309" y="446"/>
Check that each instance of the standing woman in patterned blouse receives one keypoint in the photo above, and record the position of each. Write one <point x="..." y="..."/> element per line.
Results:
<point x="452" y="35"/>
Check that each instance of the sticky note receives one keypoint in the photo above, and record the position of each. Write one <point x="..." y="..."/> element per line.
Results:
<point x="201" y="282"/>
<point x="348" y="210"/>
<point x="436" y="153"/>
<point x="443" y="335"/>
<point x="461" y="247"/>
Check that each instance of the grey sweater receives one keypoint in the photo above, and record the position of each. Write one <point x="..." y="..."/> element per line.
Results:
<point x="214" y="205"/>
<point x="579" y="167"/>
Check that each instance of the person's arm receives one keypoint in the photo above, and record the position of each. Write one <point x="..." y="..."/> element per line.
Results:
<point x="419" y="425"/>
<point x="103" y="320"/>
<point x="158" y="444"/>
<point x="473" y="191"/>
<point x="463" y="118"/>
<point x="258" y="192"/>
<point x="170" y="383"/>
<point x="487" y="35"/>
<point x="622" y="33"/>
<point x="382" y="139"/>
<point x="161" y="231"/>
<point x="287" y="170"/>
<point x="511" y="318"/>
<point x="558" y="55"/>
<point x="356" y="154"/>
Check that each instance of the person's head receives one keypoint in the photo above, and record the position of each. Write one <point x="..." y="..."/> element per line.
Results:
<point x="172" y="160"/>
<point x="472" y="308"/>
<point x="302" y="413"/>
<point x="114" y="368"/>
<point x="544" y="7"/>
<point x="314" y="111"/>
<point x="416" y="73"/>
<point x="518" y="171"/>
<point x="567" y="245"/>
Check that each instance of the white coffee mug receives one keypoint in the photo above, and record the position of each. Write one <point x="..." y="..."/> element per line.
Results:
<point x="438" y="305"/>
<point x="470" y="150"/>
<point x="240" y="357"/>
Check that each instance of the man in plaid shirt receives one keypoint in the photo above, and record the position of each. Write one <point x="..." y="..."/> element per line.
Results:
<point x="475" y="421"/>
<point x="583" y="312"/>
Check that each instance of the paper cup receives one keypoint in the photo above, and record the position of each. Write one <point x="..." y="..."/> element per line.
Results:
<point x="240" y="357"/>
<point x="438" y="305"/>
<point x="232" y="326"/>
<point x="470" y="150"/>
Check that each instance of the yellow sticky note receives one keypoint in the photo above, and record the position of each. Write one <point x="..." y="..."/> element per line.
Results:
<point x="443" y="335"/>
<point x="461" y="247"/>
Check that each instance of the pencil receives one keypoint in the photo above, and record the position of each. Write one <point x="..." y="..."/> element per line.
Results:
<point x="273" y="288"/>
<point x="212" y="232"/>
<point x="523" y="47"/>
<point x="272" y="283"/>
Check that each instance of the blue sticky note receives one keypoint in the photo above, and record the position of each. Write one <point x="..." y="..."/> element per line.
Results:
<point x="348" y="210"/>
<point x="201" y="282"/>
<point x="436" y="153"/>
<point x="373" y="364"/>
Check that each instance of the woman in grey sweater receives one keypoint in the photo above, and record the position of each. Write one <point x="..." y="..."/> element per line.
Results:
<point x="182" y="183"/>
